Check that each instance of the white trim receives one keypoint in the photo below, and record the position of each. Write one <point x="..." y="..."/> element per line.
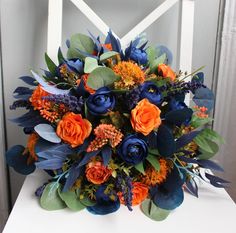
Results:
<point x="54" y="27"/>
<point x="186" y="39"/>
<point x="92" y="16"/>
<point x="147" y="21"/>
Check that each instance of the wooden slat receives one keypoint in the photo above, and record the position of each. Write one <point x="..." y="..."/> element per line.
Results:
<point x="54" y="27"/>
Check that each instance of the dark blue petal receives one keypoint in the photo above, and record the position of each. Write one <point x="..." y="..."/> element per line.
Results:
<point x="165" y="141"/>
<point x="199" y="77"/>
<point x="74" y="173"/>
<point x="28" y="80"/>
<point x="169" y="200"/>
<point x="104" y="208"/>
<point x="16" y="159"/>
<point x="106" y="155"/>
<point x="186" y="139"/>
<point x="204" y="97"/>
<point x="178" y="117"/>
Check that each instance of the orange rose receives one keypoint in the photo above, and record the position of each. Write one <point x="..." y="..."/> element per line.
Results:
<point x="73" y="129"/>
<point x="140" y="192"/>
<point x="166" y="71"/>
<point x="145" y="117"/>
<point x="97" y="173"/>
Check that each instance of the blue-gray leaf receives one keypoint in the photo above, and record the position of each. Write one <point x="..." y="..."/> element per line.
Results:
<point x="47" y="132"/>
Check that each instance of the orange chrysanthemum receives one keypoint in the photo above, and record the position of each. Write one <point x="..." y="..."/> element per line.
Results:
<point x="130" y="73"/>
<point x="37" y="100"/>
<point x="47" y="109"/>
<point x="30" y="148"/>
<point x="153" y="177"/>
<point x="105" y="133"/>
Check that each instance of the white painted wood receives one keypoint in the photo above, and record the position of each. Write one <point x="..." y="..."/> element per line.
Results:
<point x="186" y="39"/>
<point x="92" y="16"/>
<point x="203" y="214"/>
<point x="147" y="21"/>
<point x="54" y="27"/>
<point x="3" y="172"/>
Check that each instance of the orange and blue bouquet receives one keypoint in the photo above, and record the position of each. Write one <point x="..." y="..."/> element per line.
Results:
<point x="111" y="127"/>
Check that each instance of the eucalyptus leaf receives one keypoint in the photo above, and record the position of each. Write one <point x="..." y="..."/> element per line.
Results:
<point x="158" y="61"/>
<point x="100" y="77"/>
<point x="50" y="199"/>
<point x="151" y="53"/>
<point x="139" y="167"/>
<point x="47" y="132"/>
<point x="153" y="212"/>
<point x="152" y="159"/>
<point x="80" y="42"/>
<point x="71" y="200"/>
<point x="108" y="55"/>
<point x="90" y="64"/>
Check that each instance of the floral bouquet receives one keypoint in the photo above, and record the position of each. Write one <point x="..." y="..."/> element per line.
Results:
<point x="110" y="127"/>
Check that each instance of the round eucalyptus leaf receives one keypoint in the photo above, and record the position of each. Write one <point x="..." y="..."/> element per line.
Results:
<point x="50" y="199"/>
<point x="154" y="212"/>
<point x="71" y="200"/>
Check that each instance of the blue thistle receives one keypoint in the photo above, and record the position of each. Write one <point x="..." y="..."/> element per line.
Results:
<point x="73" y="103"/>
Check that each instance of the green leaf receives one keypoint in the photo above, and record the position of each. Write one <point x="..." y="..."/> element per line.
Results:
<point x="205" y="155"/>
<point x="90" y="64"/>
<point x="107" y="55"/>
<point x="198" y="122"/>
<point x="206" y="145"/>
<point x="153" y="151"/>
<point x="50" y="199"/>
<point x="152" y="159"/>
<point x="153" y="212"/>
<point x="140" y="168"/>
<point x="60" y="56"/>
<point x="212" y="135"/>
<point x="71" y="200"/>
<point x="81" y="42"/>
<point x="100" y="77"/>
<point x="151" y="53"/>
<point x="52" y="67"/>
<point x="157" y="61"/>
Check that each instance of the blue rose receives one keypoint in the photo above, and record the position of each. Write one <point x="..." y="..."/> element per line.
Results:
<point x="139" y="55"/>
<point x="150" y="91"/>
<point x="133" y="150"/>
<point x="107" y="201"/>
<point x="101" y="101"/>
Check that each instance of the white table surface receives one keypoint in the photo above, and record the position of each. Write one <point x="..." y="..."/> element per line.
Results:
<point x="213" y="212"/>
